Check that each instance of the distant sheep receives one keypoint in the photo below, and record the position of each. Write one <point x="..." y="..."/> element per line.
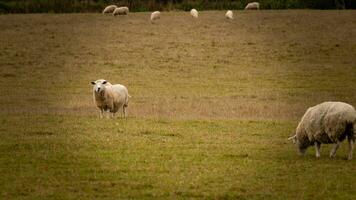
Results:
<point x="109" y="9"/>
<point x="253" y="6"/>
<point x="194" y="13"/>
<point x="229" y="14"/>
<point x="108" y="97"/>
<point x="155" y="15"/>
<point x="325" y="123"/>
<point x="121" y="11"/>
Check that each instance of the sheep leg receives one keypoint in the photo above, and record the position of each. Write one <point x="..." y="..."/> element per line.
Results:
<point x="317" y="149"/>
<point x="351" y="147"/>
<point x="124" y="110"/>
<point x="111" y="108"/>
<point x="334" y="149"/>
<point x="108" y="114"/>
<point x="101" y="115"/>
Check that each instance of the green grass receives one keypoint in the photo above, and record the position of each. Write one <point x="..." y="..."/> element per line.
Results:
<point x="213" y="103"/>
<point x="72" y="157"/>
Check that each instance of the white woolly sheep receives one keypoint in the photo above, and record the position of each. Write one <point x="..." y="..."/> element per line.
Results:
<point x="229" y="14"/>
<point x="253" y="6"/>
<point x="325" y="123"/>
<point x="121" y="11"/>
<point x="194" y="13"/>
<point x="111" y="98"/>
<point x="155" y="15"/>
<point x="109" y="9"/>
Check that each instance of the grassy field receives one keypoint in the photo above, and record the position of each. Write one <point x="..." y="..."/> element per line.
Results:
<point x="213" y="102"/>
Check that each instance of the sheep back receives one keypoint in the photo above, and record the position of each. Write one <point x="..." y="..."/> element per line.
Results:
<point x="155" y="15"/>
<point x="121" y="11"/>
<point x="326" y="123"/>
<point x="109" y="9"/>
<point x="252" y="6"/>
<point x="229" y="14"/>
<point x="194" y="13"/>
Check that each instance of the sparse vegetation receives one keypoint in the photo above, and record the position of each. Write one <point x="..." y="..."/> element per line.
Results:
<point x="213" y="102"/>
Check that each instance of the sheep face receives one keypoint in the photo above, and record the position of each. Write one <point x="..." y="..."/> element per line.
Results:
<point x="301" y="145"/>
<point x="99" y="85"/>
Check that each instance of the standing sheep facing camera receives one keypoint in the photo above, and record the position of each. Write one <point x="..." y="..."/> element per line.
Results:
<point x="109" y="9"/>
<point x="253" y="6"/>
<point x="108" y="97"/>
<point x="155" y="15"/>
<point x="229" y="14"/>
<point x="121" y="11"/>
<point x="325" y="123"/>
<point x="194" y="13"/>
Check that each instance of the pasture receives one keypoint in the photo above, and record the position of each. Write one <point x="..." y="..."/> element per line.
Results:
<point x="213" y="102"/>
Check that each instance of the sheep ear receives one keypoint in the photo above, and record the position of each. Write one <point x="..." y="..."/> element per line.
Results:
<point x="293" y="138"/>
<point x="93" y="83"/>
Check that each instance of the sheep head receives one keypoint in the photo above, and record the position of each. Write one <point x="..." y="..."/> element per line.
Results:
<point x="301" y="145"/>
<point x="99" y="85"/>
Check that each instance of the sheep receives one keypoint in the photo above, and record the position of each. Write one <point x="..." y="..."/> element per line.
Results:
<point x="325" y="123"/>
<point x="229" y="14"/>
<point x="121" y="11"/>
<point x="194" y="13"/>
<point x="253" y="6"/>
<point x="155" y="15"/>
<point x="111" y="98"/>
<point x="109" y="9"/>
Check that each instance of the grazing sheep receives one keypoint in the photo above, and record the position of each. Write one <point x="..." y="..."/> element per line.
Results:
<point x="325" y="123"/>
<point x="109" y="9"/>
<point x="155" y="15"/>
<point x="108" y="97"/>
<point x="194" y="13"/>
<point x="253" y="6"/>
<point x="121" y="11"/>
<point x="229" y="14"/>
